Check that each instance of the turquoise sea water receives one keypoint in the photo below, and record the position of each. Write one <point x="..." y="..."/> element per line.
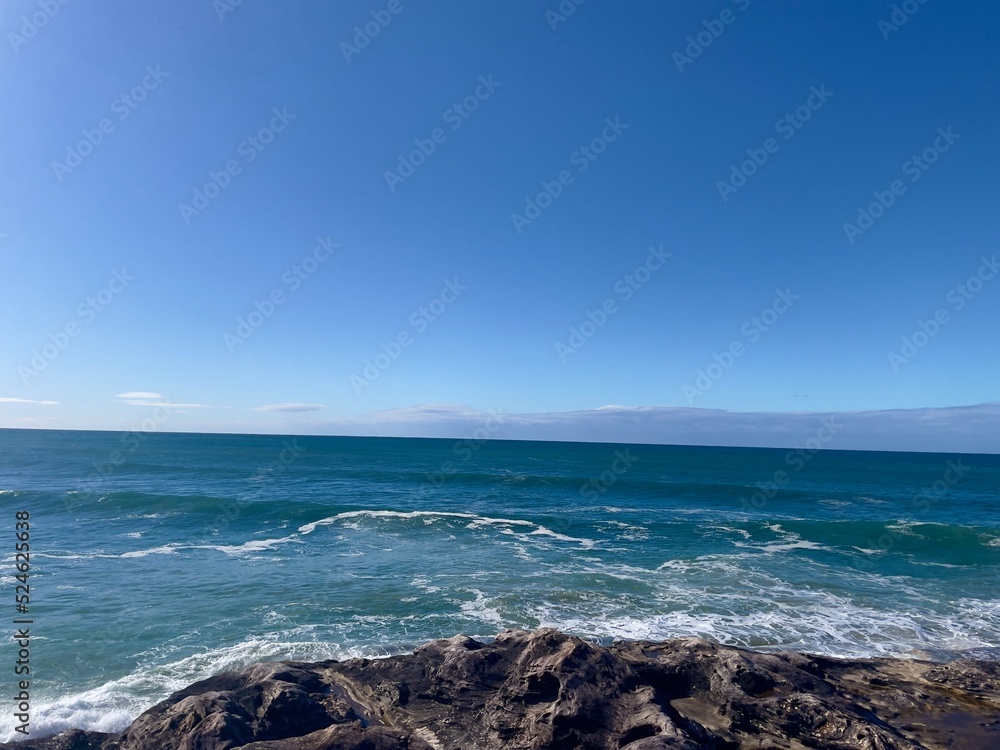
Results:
<point x="159" y="559"/>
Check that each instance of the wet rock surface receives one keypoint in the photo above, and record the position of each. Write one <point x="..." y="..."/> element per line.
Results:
<point x="544" y="690"/>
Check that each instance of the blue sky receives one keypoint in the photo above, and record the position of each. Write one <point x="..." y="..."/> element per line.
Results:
<point x="495" y="206"/>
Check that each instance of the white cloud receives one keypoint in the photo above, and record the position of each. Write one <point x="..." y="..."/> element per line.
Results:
<point x="421" y="415"/>
<point x="11" y="400"/>
<point x="290" y="407"/>
<point x="147" y="398"/>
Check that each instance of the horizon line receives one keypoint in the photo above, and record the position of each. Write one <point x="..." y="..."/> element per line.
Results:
<point x="501" y="440"/>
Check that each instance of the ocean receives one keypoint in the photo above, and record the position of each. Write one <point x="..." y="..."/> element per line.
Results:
<point x="160" y="559"/>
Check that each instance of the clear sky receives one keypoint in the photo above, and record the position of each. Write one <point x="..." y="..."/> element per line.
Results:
<point x="528" y="206"/>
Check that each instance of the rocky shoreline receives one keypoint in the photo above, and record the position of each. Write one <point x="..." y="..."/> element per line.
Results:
<point x="544" y="690"/>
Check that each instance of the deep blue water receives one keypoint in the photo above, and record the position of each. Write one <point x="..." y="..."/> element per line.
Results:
<point x="159" y="559"/>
